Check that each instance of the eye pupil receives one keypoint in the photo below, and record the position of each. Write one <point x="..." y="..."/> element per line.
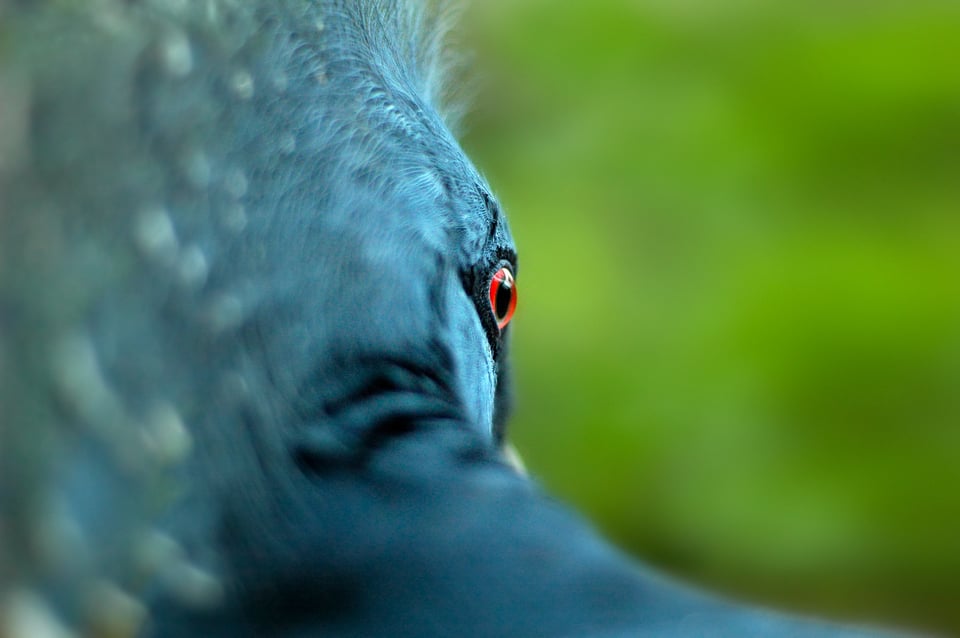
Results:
<point x="503" y="297"/>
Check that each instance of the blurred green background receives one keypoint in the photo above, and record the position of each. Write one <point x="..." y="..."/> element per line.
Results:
<point x="738" y="337"/>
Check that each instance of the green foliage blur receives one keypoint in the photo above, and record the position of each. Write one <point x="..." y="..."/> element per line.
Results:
<point x="737" y="345"/>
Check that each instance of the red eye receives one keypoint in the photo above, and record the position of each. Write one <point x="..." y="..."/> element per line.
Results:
<point x="503" y="297"/>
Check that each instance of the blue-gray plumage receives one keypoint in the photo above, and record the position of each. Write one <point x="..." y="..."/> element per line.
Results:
<point x="253" y="379"/>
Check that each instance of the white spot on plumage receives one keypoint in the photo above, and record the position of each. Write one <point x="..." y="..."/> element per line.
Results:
<point x="193" y="586"/>
<point x="234" y="218"/>
<point x="78" y="377"/>
<point x="196" y="168"/>
<point x="155" y="235"/>
<point x="224" y="312"/>
<point x="235" y="183"/>
<point x="288" y="143"/>
<point x="280" y="81"/>
<point x="24" y="614"/>
<point x="154" y="551"/>
<point x="242" y="84"/>
<point x="165" y="435"/>
<point x="176" y="55"/>
<point x="192" y="267"/>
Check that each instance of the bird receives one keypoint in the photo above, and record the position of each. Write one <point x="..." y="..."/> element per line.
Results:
<point x="256" y="306"/>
